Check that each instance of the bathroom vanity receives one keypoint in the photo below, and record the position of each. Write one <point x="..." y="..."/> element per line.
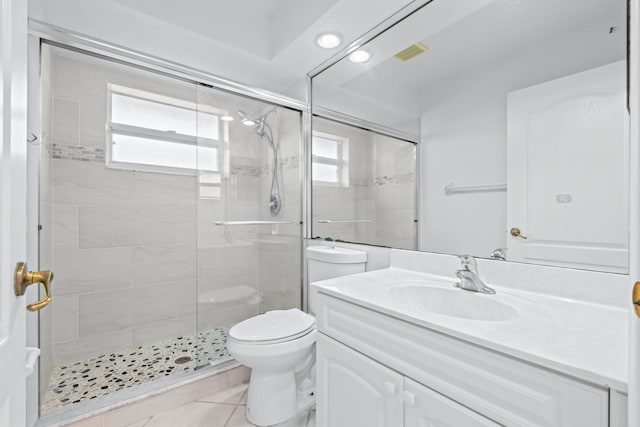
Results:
<point x="404" y="348"/>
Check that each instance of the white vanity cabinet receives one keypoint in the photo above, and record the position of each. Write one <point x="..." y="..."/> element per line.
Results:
<point x="424" y="408"/>
<point x="355" y="390"/>
<point x="378" y="370"/>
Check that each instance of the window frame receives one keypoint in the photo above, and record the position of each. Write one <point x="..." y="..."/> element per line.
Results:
<point x="341" y="161"/>
<point x="155" y="134"/>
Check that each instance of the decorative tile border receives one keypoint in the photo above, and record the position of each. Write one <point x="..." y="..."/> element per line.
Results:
<point x="245" y="171"/>
<point x="287" y="163"/>
<point x="74" y="152"/>
<point x="359" y="182"/>
<point x="405" y="178"/>
<point x="91" y="154"/>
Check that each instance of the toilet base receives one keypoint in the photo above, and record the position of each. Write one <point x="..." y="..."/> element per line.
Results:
<point x="273" y="400"/>
<point x="303" y="419"/>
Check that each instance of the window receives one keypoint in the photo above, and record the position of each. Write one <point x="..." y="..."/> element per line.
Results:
<point x="152" y="132"/>
<point x="330" y="159"/>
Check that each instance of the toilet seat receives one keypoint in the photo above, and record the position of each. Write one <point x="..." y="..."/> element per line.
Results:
<point x="273" y="327"/>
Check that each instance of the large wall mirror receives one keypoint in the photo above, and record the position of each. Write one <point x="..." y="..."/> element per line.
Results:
<point x="519" y="108"/>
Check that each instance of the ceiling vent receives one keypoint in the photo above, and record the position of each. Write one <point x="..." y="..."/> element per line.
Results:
<point x="411" y="52"/>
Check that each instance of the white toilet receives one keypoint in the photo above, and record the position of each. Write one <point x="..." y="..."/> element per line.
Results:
<point x="279" y="346"/>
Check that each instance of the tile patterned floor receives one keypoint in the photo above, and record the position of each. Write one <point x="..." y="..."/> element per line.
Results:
<point x="86" y="380"/>
<point x="223" y="409"/>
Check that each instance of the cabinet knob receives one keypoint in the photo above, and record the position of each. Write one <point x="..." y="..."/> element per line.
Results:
<point x="409" y="398"/>
<point x="390" y="388"/>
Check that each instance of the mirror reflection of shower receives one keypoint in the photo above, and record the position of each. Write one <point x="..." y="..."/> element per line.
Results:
<point x="263" y="130"/>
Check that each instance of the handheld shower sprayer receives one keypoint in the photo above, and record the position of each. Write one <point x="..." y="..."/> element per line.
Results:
<point x="263" y="130"/>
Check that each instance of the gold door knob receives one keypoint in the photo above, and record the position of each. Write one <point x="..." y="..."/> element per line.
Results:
<point x="24" y="278"/>
<point x="635" y="297"/>
<point x="515" y="232"/>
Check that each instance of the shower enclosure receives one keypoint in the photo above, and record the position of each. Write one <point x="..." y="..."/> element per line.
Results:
<point x="169" y="210"/>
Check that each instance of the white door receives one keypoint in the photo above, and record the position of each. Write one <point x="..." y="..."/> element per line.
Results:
<point x="355" y="391"/>
<point x="568" y="171"/>
<point x="13" y="133"/>
<point x="424" y="407"/>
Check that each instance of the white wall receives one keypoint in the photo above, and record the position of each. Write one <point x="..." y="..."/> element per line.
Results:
<point x="463" y="138"/>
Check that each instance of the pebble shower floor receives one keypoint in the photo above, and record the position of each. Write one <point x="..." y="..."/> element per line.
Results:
<point x="85" y="380"/>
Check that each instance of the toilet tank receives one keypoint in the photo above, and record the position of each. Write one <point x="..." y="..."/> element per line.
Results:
<point x="327" y="262"/>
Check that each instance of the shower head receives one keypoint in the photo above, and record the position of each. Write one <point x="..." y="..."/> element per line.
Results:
<point x="250" y="121"/>
<point x="245" y="118"/>
<point x="262" y="128"/>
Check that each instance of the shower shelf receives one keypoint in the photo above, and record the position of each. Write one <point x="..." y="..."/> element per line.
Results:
<point x="251" y="222"/>
<point x="343" y="221"/>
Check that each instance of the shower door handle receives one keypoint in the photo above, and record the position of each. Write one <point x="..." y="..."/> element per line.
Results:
<point x="23" y="278"/>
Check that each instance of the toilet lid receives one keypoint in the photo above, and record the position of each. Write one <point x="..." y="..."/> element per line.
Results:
<point x="273" y="325"/>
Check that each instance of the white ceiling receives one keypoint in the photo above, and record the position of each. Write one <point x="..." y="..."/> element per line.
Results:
<point x="268" y="44"/>
<point x="462" y="35"/>
<point x="262" y="28"/>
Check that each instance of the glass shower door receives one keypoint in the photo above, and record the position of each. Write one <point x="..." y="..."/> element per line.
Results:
<point x="118" y="201"/>
<point x="136" y="169"/>
<point x="249" y="211"/>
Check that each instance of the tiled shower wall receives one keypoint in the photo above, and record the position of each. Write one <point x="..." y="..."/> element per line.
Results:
<point x="381" y="189"/>
<point x="394" y="192"/>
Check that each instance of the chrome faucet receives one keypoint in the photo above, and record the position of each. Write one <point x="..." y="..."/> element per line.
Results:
<point x="499" y="254"/>
<point x="468" y="275"/>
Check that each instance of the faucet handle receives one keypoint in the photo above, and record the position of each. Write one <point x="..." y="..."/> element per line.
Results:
<point x="467" y="262"/>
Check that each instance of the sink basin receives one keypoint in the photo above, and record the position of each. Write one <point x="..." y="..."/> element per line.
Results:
<point x="453" y="302"/>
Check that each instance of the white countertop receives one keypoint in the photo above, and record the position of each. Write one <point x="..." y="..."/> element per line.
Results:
<point x="584" y="340"/>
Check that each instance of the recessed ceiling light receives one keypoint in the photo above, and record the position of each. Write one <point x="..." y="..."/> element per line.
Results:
<point x="328" y="40"/>
<point x="248" y="122"/>
<point x="226" y="118"/>
<point x="359" y="56"/>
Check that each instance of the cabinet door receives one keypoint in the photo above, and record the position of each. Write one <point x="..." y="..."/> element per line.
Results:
<point x="355" y="391"/>
<point x="426" y="408"/>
